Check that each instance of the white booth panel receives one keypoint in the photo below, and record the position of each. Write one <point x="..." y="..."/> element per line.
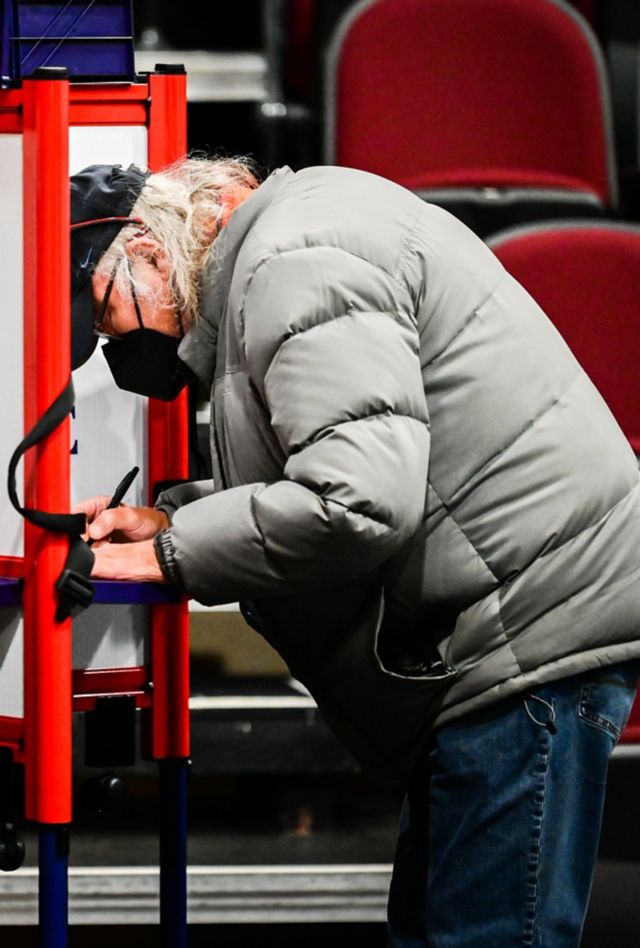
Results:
<point x="11" y="661"/>
<point x="11" y="350"/>
<point x="108" y="431"/>
<point x="111" y="636"/>
<point x="109" y="428"/>
<point x="107" y="145"/>
<point x="108" y="435"/>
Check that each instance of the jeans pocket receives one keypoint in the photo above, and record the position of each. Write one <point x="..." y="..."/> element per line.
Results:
<point x="607" y="696"/>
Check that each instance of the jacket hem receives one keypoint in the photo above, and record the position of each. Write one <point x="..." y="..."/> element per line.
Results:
<point x="566" y="667"/>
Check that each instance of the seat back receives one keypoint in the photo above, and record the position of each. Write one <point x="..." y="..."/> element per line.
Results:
<point x="448" y="93"/>
<point x="586" y="277"/>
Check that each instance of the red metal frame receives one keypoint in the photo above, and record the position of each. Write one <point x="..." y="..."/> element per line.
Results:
<point x="12" y="736"/>
<point x="168" y="459"/>
<point x="42" y="111"/>
<point x="88" y="105"/>
<point x="93" y="683"/>
<point x="47" y="644"/>
<point x="11" y="567"/>
<point x="11" y="110"/>
<point x="109" y="104"/>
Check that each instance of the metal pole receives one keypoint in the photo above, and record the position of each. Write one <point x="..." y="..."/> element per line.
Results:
<point x="53" y="862"/>
<point x="173" y="852"/>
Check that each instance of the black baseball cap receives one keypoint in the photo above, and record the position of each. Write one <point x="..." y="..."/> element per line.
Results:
<point x="101" y="200"/>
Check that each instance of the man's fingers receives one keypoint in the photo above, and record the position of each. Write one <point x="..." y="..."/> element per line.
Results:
<point x="119" y="518"/>
<point x="129" y="523"/>
<point x="120" y="524"/>
<point x="92" y="507"/>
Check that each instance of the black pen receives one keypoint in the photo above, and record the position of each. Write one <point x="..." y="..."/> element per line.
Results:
<point x="119" y="492"/>
<point x="122" y="488"/>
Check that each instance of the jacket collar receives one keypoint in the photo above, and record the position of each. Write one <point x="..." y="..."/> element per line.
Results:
<point x="198" y="348"/>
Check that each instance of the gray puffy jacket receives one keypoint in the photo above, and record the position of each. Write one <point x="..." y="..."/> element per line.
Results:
<point x="418" y="494"/>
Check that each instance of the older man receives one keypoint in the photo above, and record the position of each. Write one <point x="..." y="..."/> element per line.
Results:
<point x="419" y="498"/>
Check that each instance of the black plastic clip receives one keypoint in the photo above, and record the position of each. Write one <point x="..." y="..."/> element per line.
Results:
<point x="76" y="593"/>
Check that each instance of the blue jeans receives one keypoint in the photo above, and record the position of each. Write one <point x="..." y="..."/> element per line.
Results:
<point x="499" y="831"/>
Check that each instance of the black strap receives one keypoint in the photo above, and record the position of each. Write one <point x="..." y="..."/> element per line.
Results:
<point x="75" y="590"/>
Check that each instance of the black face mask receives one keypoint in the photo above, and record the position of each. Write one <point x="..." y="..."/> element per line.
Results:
<point x="146" y="362"/>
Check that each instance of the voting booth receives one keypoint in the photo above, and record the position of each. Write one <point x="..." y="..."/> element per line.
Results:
<point x="127" y="654"/>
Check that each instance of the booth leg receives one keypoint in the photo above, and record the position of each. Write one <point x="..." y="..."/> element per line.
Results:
<point x="173" y="852"/>
<point x="53" y="859"/>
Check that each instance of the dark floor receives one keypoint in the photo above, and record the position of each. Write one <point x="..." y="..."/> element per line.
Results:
<point x="613" y="922"/>
<point x="221" y="936"/>
<point x="251" y="821"/>
<point x="244" y="821"/>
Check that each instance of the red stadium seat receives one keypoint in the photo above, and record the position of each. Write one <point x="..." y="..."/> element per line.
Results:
<point x="495" y="100"/>
<point x="631" y="734"/>
<point x="586" y="276"/>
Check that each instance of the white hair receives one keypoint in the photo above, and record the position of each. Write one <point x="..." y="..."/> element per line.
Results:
<point x="182" y="207"/>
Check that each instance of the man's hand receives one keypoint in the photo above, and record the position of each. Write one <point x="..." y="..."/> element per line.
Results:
<point x="132" y="561"/>
<point x="121" y="524"/>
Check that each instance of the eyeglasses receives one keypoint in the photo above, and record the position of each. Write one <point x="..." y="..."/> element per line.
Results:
<point x="98" y="323"/>
<point x="97" y="326"/>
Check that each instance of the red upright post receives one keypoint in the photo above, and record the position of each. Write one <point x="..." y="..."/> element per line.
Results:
<point x="168" y="459"/>
<point x="47" y="357"/>
<point x="46" y="373"/>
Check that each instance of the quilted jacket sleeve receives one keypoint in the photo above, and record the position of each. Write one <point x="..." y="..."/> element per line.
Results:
<point x="339" y="374"/>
